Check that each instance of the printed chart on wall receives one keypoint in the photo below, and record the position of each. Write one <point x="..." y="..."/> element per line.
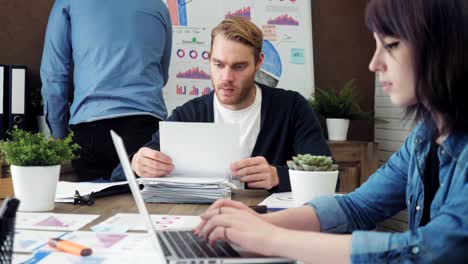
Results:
<point x="287" y="45"/>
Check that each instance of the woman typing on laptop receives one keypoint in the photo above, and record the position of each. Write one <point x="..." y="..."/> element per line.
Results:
<point x="422" y="61"/>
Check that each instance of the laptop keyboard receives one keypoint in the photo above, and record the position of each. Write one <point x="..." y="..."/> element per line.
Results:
<point x="188" y="245"/>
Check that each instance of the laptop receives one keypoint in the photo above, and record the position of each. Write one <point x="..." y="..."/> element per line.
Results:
<point x="182" y="246"/>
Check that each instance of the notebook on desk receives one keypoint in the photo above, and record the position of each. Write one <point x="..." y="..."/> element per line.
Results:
<point x="182" y="246"/>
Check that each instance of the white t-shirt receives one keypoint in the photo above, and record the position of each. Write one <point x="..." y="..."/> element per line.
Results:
<point x="248" y="119"/>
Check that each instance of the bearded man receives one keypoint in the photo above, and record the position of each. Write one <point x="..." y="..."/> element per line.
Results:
<point x="275" y="124"/>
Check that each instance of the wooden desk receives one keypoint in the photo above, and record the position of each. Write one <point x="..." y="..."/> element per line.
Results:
<point x="124" y="203"/>
<point x="357" y="160"/>
<point x="6" y="188"/>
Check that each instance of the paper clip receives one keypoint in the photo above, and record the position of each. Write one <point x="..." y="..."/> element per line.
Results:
<point x="85" y="199"/>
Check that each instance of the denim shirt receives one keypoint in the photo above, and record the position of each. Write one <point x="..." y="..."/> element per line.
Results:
<point x="121" y="52"/>
<point x="396" y="185"/>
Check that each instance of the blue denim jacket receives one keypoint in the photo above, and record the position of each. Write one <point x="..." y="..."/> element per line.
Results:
<point x="396" y="185"/>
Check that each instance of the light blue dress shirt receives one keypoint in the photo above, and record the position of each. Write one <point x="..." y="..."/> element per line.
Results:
<point x="121" y="52"/>
<point x="396" y="186"/>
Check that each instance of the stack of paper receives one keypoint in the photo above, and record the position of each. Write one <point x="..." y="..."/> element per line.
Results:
<point x="201" y="161"/>
<point x="185" y="190"/>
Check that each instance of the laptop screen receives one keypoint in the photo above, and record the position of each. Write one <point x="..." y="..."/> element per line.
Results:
<point x="123" y="157"/>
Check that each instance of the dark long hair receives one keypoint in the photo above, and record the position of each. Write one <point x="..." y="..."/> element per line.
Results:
<point x="437" y="33"/>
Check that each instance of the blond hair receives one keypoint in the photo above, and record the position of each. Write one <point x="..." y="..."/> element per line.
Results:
<point x="240" y="30"/>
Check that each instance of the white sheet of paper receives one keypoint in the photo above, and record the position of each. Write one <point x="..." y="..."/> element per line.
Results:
<point x="107" y="248"/>
<point x="128" y="243"/>
<point x="200" y="149"/>
<point x="67" y="189"/>
<point x="54" y="257"/>
<point x="182" y="179"/>
<point x="64" y="200"/>
<point x="20" y="258"/>
<point x="27" y="241"/>
<point x="161" y="222"/>
<point x="51" y="221"/>
<point x="278" y="201"/>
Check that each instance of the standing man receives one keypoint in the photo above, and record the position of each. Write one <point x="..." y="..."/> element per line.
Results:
<point x="121" y="52"/>
<point x="275" y="124"/>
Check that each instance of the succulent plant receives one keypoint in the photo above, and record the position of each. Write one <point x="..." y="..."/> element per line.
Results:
<point x="309" y="162"/>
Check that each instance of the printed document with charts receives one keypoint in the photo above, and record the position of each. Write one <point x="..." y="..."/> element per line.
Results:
<point x="201" y="154"/>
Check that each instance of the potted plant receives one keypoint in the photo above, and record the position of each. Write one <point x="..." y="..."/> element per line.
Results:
<point x="311" y="176"/>
<point x="338" y="107"/>
<point x="35" y="166"/>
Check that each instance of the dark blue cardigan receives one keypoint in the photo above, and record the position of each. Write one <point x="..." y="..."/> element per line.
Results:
<point x="288" y="127"/>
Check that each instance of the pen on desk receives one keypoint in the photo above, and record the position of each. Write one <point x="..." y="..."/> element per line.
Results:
<point x="70" y="247"/>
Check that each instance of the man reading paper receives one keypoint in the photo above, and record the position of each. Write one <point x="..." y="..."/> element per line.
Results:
<point x="275" y="123"/>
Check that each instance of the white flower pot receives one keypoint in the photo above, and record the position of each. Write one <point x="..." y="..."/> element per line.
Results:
<point x="337" y="128"/>
<point x="35" y="186"/>
<point x="306" y="185"/>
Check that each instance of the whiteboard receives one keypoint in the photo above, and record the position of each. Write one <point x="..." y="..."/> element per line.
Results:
<point x="287" y="29"/>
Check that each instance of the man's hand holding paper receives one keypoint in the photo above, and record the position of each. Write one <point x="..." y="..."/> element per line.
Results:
<point x="192" y="153"/>
<point x="256" y="172"/>
<point x="148" y="162"/>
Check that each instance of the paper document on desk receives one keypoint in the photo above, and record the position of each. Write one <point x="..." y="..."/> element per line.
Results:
<point x="107" y="248"/>
<point x="54" y="257"/>
<point x="279" y="201"/>
<point x="27" y="241"/>
<point x="134" y="222"/>
<point x="65" y="191"/>
<point x="51" y="221"/>
<point x="200" y="150"/>
<point x="128" y="243"/>
<point x="20" y="258"/>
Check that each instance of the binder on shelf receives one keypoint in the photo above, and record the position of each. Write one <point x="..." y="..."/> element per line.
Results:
<point x="4" y="97"/>
<point x="17" y="91"/>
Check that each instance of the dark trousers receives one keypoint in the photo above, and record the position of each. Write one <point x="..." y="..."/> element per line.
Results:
<point x="97" y="156"/>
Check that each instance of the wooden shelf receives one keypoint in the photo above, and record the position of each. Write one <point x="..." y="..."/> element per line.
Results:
<point x="357" y="160"/>
<point x="6" y="188"/>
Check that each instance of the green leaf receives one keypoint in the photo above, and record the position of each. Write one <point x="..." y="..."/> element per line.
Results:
<point x="331" y="103"/>
<point x="310" y="162"/>
<point x="35" y="149"/>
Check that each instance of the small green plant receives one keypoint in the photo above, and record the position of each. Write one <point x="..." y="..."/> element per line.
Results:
<point x="331" y="103"/>
<point x="35" y="149"/>
<point x="309" y="162"/>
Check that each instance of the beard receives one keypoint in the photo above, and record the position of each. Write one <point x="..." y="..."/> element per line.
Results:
<point x="235" y="93"/>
